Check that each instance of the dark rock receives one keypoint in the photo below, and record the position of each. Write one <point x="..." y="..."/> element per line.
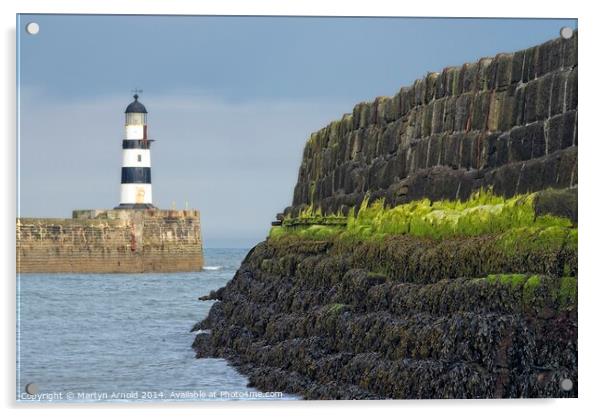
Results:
<point x="414" y="329"/>
<point x="558" y="203"/>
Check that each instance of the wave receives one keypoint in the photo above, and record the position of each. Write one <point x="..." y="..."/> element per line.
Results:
<point x="212" y="268"/>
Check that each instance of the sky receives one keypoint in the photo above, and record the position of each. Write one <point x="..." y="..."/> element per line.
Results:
<point x="231" y="101"/>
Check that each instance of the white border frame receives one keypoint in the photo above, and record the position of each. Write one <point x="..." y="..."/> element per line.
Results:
<point x="589" y="285"/>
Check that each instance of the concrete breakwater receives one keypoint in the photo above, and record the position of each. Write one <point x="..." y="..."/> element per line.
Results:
<point x="111" y="241"/>
<point x="461" y="295"/>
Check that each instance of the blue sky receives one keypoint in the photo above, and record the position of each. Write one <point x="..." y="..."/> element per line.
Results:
<point x="231" y="101"/>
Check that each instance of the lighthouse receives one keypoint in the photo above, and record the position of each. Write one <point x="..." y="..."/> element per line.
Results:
<point x="136" y="188"/>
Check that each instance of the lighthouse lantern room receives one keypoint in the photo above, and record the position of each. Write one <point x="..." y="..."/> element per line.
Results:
<point x="136" y="189"/>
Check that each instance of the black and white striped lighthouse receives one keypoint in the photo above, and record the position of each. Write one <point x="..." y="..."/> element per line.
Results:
<point x="136" y="189"/>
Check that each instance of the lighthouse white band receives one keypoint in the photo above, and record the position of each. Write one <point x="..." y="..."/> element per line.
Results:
<point x="136" y="158"/>
<point x="136" y="194"/>
<point x="134" y="131"/>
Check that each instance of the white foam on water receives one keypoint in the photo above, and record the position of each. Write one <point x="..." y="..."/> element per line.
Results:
<point x="212" y="268"/>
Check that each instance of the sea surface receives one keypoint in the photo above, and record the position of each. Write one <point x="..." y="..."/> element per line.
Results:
<point x="123" y="337"/>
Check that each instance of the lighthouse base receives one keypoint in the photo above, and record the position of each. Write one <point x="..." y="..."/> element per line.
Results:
<point x="135" y="206"/>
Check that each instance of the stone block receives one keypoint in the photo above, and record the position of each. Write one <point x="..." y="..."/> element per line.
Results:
<point x="530" y="63"/>
<point x="530" y="109"/>
<point x="531" y="177"/>
<point x="480" y="110"/>
<point x="421" y="152"/>
<point x="484" y="75"/>
<point x="468" y="78"/>
<point x="462" y="112"/>
<point x="503" y="70"/>
<point x="559" y="82"/>
<point x="451" y="150"/>
<point x="571" y="91"/>
<point x="408" y="99"/>
<point x="430" y="86"/>
<point x="367" y="116"/>
<point x="466" y="150"/>
<point x="549" y="57"/>
<point x="419" y="92"/>
<point x="437" y="125"/>
<point x="453" y="83"/>
<point x="393" y="108"/>
<point x="380" y="105"/>
<point x="504" y="179"/>
<point x="525" y="141"/>
<point x="479" y="150"/>
<point x="490" y="151"/>
<point x="567" y="168"/>
<point x="370" y="141"/>
<point x="496" y="111"/>
<point x="347" y="180"/>
<point x="401" y="163"/>
<point x="391" y="136"/>
<point x="411" y="159"/>
<point x="434" y="150"/>
<point x="518" y="61"/>
<point x="550" y="166"/>
<point x="334" y="133"/>
<point x="415" y="121"/>
<point x="536" y="133"/>
<point x="357" y="146"/>
<point x="518" y="106"/>
<point x="442" y="83"/>
<point x="346" y="124"/>
<point x="391" y="171"/>
<point x="561" y="131"/>
<point x="427" y="119"/>
<point x="449" y="118"/>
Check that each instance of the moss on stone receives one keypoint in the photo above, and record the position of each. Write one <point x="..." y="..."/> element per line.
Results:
<point x="483" y="214"/>
<point x="513" y="280"/>
<point x="530" y="288"/>
<point x="567" y="293"/>
<point x="276" y="231"/>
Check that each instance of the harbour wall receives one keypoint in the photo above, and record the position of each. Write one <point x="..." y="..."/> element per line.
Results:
<point x="409" y="316"/>
<point x="111" y="241"/>
<point x="508" y="122"/>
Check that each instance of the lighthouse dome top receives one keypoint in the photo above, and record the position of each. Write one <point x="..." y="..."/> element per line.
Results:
<point x="135" y="106"/>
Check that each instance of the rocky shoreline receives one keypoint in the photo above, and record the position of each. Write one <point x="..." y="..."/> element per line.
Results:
<point x="407" y="317"/>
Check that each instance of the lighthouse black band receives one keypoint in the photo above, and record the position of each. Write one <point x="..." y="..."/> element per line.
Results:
<point x="135" y="175"/>
<point x="136" y="144"/>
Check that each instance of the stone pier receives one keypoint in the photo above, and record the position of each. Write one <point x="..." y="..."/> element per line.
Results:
<point x="108" y="241"/>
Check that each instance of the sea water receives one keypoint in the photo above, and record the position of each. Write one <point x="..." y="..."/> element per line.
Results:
<point x="123" y="337"/>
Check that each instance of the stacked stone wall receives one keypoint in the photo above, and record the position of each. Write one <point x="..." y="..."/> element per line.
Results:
<point x="509" y="122"/>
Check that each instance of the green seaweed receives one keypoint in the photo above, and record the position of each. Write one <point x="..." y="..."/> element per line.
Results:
<point x="512" y="280"/>
<point x="567" y="293"/>
<point x="482" y="214"/>
<point x="530" y="288"/>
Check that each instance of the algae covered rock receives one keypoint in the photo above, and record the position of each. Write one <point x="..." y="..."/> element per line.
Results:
<point x="369" y="320"/>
